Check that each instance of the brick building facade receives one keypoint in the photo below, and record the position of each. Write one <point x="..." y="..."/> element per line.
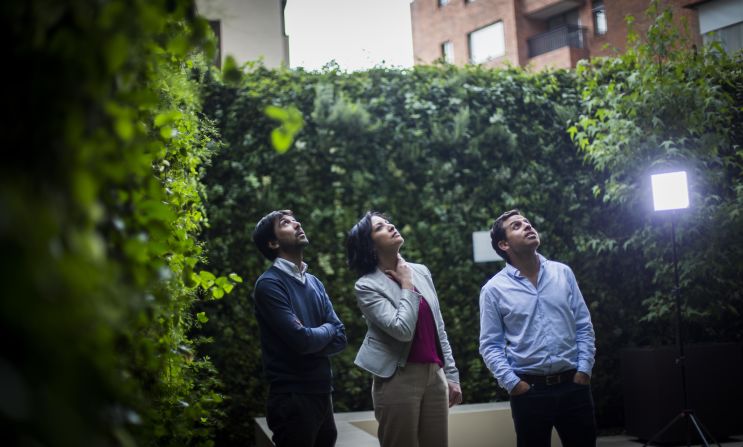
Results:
<point x="536" y="33"/>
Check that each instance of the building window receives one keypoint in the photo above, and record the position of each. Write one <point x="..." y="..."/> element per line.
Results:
<point x="599" y="18"/>
<point x="487" y="43"/>
<point x="447" y="52"/>
<point x="730" y="37"/>
<point x="217" y="29"/>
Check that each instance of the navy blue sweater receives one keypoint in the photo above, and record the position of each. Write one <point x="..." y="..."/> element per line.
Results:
<point x="299" y="331"/>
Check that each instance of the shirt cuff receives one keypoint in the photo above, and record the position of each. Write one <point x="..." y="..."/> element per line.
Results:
<point x="584" y="368"/>
<point x="511" y="382"/>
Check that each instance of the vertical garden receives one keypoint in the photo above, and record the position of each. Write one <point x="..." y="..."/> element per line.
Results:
<point x="134" y="174"/>
<point x="101" y="211"/>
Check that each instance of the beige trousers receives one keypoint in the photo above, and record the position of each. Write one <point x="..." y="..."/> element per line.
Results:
<point x="412" y="407"/>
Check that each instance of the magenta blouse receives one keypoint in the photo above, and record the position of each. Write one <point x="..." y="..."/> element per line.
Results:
<point x="424" y="347"/>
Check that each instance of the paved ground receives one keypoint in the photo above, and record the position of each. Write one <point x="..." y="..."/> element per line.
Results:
<point x="627" y="441"/>
<point x="358" y="429"/>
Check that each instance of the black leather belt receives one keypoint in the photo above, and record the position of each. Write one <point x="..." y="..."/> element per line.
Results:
<point x="552" y="379"/>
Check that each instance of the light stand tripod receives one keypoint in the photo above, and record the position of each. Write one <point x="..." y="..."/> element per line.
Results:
<point x="687" y="413"/>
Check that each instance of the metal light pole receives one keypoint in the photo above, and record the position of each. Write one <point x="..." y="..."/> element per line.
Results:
<point x="671" y="193"/>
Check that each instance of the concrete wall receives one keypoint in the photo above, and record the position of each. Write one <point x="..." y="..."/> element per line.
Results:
<point x="473" y="425"/>
<point x="719" y="14"/>
<point x="251" y="29"/>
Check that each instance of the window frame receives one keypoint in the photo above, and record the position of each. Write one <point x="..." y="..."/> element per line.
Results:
<point x="491" y="56"/>
<point x="599" y="9"/>
<point x="447" y="44"/>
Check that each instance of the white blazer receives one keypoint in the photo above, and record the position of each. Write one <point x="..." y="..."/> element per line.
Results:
<point x="391" y="314"/>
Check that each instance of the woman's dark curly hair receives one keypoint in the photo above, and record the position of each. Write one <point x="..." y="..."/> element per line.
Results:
<point x="360" y="252"/>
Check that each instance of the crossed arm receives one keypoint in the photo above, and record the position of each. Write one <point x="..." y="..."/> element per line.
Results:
<point x="274" y="305"/>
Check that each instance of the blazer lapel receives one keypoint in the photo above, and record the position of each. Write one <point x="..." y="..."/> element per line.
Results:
<point x="420" y="283"/>
<point x="387" y="285"/>
<point x="392" y="290"/>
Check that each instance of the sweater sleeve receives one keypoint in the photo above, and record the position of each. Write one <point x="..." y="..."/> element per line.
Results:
<point x="339" y="342"/>
<point x="272" y="303"/>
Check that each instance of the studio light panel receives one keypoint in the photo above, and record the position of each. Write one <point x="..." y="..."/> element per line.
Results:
<point x="670" y="191"/>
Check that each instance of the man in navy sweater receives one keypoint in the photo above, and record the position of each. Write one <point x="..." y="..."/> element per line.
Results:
<point x="299" y="332"/>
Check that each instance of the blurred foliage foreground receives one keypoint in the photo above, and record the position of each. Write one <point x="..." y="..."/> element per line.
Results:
<point x="122" y="141"/>
<point x="100" y="213"/>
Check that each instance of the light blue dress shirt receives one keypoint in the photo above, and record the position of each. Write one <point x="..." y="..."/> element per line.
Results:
<point x="535" y="330"/>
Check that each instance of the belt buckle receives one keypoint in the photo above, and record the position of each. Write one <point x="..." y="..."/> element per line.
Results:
<point x="552" y="380"/>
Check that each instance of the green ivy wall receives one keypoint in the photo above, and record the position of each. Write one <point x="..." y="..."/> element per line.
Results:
<point x="100" y="212"/>
<point x="444" y="150"/>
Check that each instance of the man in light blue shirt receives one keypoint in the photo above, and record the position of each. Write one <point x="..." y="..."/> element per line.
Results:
<point x="537" y="339"/>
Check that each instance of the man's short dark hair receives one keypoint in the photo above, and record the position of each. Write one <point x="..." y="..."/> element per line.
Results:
<point x="498" y="233"/>
<point x="264" y="233"/>
<point x="360" y="252"/>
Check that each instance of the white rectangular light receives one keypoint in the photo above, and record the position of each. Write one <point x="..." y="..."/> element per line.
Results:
<point x="670" y="191"/>
<point x="482" y="251"/>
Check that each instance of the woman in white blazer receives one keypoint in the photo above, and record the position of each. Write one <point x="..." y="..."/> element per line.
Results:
<point x="406" y="349"/>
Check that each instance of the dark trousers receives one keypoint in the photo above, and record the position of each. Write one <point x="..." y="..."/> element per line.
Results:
<point x="568" y="407"/>
<point x="301" y="420"/>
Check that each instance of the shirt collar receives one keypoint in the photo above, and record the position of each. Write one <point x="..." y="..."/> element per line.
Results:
<point x="291" y="268"/>
<point x="516" y="273"/>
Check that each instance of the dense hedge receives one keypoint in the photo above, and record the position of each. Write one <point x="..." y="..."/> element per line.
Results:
<point x="441" y="149"/>
<point x="100" y="206"/>
<point x="444" y="150"/>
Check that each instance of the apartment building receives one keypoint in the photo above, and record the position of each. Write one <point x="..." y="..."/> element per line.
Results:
<point x="552" y="33"/>
<point x="248" y="30"/>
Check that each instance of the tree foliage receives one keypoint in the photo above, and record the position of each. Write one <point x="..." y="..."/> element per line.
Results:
<point x="662" y="107"/>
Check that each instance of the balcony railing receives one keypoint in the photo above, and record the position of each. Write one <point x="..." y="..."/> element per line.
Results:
<point x="572" y="36"/>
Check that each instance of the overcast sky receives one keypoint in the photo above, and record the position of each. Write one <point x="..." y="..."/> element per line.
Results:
<point x="357" y="34"/>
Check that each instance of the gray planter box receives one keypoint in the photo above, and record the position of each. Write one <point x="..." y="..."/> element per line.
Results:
<point x="651" y="383"/>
